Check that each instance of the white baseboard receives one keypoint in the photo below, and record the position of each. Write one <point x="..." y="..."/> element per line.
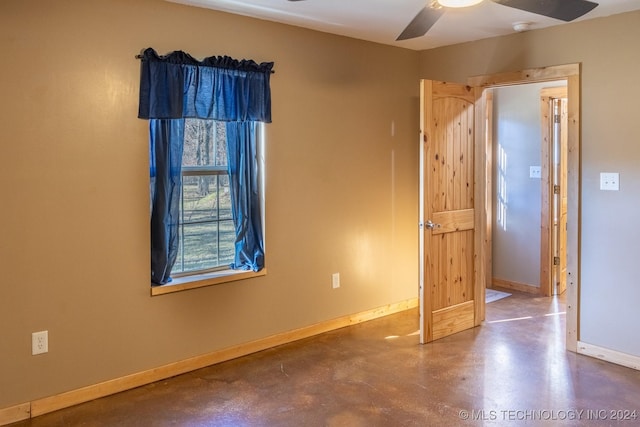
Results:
<point x="624" y="359"/>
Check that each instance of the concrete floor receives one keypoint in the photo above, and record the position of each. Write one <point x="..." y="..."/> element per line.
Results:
<point x="513" y="370"/>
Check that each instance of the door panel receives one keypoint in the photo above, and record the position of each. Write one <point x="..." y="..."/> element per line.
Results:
<point x="453" y="319"/>
<point x="447" y="173"/>
<point x="449" y="221"/>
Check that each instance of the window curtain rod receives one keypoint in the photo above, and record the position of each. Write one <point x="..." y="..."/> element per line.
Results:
<point x="142" y="56"/>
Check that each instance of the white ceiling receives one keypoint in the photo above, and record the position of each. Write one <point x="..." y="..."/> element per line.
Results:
<point x="382" y="21"/>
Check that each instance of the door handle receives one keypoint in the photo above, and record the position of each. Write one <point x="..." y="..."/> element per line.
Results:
<point x="431" y="225"/>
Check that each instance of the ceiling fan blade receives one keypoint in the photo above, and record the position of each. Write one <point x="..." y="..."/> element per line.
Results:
<point x="419" y="26"/>
<point x="566" y="10"/>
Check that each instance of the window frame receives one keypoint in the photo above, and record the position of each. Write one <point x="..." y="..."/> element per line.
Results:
<point x="182" y="282"/>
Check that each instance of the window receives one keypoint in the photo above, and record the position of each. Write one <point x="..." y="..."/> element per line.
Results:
<point x="206" y="231"/>
<point x="204" y="165"/>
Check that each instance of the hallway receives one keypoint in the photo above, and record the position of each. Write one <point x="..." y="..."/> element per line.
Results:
<point x="513" y="370"/>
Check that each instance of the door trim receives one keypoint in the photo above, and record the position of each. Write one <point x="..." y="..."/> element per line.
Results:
<point x="571" y="74"/>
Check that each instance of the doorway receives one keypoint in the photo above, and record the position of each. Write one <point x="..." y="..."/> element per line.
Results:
<point x="529" y="149"/>
<point x="571" y="75"/>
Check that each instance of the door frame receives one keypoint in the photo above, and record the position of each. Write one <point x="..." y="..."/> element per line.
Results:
<point x="484" y="168"/>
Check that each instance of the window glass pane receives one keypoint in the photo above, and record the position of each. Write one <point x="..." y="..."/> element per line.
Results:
<point x="205" y="246"/>
<point x="221" y="144"/>
<point x="207" y="234"/>
<point x="225" y="198"/>
<point x="200" y="198"/>
<point x="205" y="143"/>
<point x="227" y="242"/>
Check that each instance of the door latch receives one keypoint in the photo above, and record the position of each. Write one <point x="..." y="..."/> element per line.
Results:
<point x="431" y="225"/>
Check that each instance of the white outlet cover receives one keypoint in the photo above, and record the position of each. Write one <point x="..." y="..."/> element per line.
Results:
<point x="535" y="171"/>
<point x="609" y="181"/>
<point x="39" y="342"/>
<point x="335" y="280"/>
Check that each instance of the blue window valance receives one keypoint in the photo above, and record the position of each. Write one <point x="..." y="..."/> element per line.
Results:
<point x="221" y="88"/>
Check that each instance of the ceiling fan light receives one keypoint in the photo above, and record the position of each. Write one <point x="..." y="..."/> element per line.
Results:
<point x="458" y="3"/>
<point x="521" y="26"/>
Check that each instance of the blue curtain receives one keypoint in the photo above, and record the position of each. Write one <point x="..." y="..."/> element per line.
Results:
<point x="177" y="86"/>
<point x="166" y="138"/>
<point x="245" y="197"/>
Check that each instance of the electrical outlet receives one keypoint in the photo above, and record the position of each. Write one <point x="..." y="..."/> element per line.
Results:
<point x="335" y="280"/>
<point x="535" y="172"/>
<point x="610" y="181"/>
<point x="39" y="342"/>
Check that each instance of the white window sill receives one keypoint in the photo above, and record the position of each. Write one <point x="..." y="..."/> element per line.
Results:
<point x="201" y="280"/>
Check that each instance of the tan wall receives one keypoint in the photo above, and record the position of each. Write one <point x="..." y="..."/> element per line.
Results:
<point x="341" y="190"/>
<point x="608" y="50"/>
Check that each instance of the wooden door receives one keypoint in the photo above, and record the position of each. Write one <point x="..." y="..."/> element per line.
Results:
<point x="447" y="211"/>
<point x="553" y="238"/>
<point x="561" y="212"/>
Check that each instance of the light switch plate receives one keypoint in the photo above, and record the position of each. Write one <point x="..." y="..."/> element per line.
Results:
<point x="610" y="181"/>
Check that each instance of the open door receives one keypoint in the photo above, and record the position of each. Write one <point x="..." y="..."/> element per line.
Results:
<point x="448" y="301"/>
<point x="553" y="237"/>
<point x="561" y="199"/>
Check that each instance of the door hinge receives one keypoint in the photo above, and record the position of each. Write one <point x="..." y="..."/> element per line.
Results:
<point x="556" y="118"/>
<point x="556" y="260"/>
<point x="556" y="189"/>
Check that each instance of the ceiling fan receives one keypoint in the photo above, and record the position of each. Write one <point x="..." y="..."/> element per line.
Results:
<point x="565" y="10"/>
